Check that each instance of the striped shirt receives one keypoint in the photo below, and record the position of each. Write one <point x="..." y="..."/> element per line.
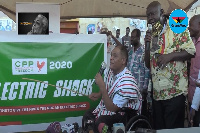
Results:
<point x="123" y="91"/>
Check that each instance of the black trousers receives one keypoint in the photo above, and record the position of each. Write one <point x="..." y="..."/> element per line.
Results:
<point x="107" y="119"/>
<point x="169" y="113"/>
<point x="144" y="105"/>
<point x="196" y="119"/>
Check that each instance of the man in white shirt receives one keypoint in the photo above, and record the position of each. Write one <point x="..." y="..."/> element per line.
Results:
<point x="119" y="90"/>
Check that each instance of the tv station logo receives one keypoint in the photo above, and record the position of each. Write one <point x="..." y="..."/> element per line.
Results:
<point x="178" y="21"/>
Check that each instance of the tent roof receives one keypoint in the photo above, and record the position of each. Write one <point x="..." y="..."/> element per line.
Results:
<point x="100" y="8"/>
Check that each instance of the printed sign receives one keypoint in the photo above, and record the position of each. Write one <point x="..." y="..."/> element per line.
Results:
<point x="178" y="21"/>
<point x="46" y="82"/>
<point x="29" y="66"/>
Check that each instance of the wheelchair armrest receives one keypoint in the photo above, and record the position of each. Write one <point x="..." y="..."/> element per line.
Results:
<point x="128" y="110"/>
<point x="128" y="113"/>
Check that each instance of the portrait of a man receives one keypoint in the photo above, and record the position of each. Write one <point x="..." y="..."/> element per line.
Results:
<point x="33" y="23"/>
<point x="40" y="25"/>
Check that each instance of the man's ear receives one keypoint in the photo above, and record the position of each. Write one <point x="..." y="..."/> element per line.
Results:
<point x="161" y="12"/>
<point x="123" y="61"/>
<point x="162" y="17"/>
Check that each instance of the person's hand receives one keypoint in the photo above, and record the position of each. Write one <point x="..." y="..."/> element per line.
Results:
<point x="99" y="81"/>
<point x="197" y="82"/>
<point x="163" y="60"/>
<point x="95" y="96"/>
<point x="109" y="33"/>
<point x="30" y="32"/>
<point x="191" y="116"/>
<point x="143" y="92"/>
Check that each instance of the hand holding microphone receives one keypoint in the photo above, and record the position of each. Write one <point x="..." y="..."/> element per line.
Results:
<point x="148" y="37"/>
<point x="98" y="78"/>
<point x="101" y="71"/>
<point x="102" y="68"/>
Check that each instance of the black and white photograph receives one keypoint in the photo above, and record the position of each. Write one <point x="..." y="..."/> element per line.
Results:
<point x="33" y="23"/>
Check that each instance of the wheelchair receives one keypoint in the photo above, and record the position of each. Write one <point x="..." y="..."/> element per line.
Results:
<point x="132" y="121"/>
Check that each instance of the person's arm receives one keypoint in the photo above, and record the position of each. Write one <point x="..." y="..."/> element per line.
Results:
<point x="108" y="102"/>
<point x="181" y="56"/>
<point x="110" y="106"/>
<point x="114" y="38"/>
<point x="127" y="91"/>
<point x="196" y="99"/>
<point x="195" y="105"/>
<point x="95" y="96"/>
<point x="185" y="47"/>
<point x="174" y="56"/>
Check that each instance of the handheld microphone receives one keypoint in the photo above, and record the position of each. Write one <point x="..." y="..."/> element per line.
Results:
<point x="148" y="43"/>
<point x="102" y="68"/>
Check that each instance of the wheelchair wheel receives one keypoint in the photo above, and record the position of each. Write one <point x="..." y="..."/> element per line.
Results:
<point x="136" y="122"/>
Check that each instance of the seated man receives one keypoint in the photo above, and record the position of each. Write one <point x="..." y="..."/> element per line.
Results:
<point x="119" y="90"/>
<point x="40" y="25"/>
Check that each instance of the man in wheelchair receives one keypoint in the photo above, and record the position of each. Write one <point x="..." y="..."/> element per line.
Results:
<point x="119" y="90"/>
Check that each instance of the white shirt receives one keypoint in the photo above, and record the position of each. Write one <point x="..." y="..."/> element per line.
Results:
<point x="120" y="87"/>
<point x="196" y="97"/>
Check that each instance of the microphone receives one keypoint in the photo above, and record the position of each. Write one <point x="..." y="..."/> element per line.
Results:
<point x="102" y="68"/>
<point x="148" y="43"/>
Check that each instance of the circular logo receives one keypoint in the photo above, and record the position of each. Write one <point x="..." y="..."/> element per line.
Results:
<point x="178" y="21"/>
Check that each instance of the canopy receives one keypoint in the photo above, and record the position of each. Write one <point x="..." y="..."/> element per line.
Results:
<point x="100" y="8"/>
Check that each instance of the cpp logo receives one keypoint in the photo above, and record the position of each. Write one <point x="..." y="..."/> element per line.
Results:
<point x="29" y="66"/>
<point x="178" y="21"/>
<point x="23" y="63"/>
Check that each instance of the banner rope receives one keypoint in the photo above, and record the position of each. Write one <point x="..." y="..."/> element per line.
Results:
<point x="54" y="86"/>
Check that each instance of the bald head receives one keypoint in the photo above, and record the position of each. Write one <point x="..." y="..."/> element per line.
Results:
<point x="194" y="26"/>
<point x="196" y="18"/>
<point x="154" y="4"/>
<point x="124" y="52"/>
<point x="153" y="12"/>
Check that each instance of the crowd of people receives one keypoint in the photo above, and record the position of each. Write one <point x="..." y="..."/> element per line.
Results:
<point x="171" y="63"/>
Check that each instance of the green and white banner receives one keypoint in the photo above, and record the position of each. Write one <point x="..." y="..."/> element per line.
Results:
<point x="44" y="81"/>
